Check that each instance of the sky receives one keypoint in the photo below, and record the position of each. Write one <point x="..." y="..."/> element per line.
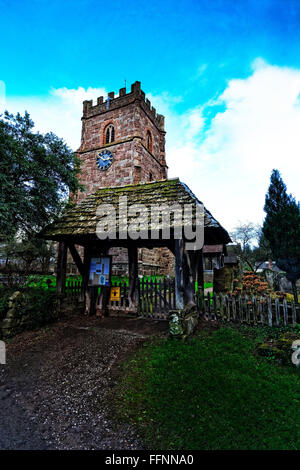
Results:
<point x="225" y="73"/>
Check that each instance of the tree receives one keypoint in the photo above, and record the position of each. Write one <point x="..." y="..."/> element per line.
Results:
<point x="27" y="255"/>
<point x="244" y="235"/>
<point x="262" y="252"/>
<point x="282" y="229"/>
<point x="36" y="174"/>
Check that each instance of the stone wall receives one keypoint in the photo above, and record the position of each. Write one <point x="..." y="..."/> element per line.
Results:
<point x="23" y="315"/>
<point x="159" y="261"/>
<point x="132" y="116"/>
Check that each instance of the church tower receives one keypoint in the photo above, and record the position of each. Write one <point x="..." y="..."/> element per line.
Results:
<point x="122" y="141"/>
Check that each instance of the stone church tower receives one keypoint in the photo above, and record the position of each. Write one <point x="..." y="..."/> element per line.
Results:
<point x="123" y="142"/>
<point x="128" y="129"/>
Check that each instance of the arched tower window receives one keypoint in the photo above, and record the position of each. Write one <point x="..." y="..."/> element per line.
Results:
<point x="109" y="134"/>
<point x="149" y="141"/>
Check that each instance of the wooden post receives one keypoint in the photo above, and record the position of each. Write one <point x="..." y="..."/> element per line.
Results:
<point x="133" y="274"/>
<point x="179" y="273"/>
<point x="190" y="268"/>
<point x="295" y="293"/>
<point x="277" y="311"/>
<point x="270" y="315"/>
<point x="285" y="312"/>
<point x="186" y="273"/>
<point x="61" y="268"/>
<point x="200" y="274"/>
<point x="294" y="314"/>
<point x="85" y="280"/>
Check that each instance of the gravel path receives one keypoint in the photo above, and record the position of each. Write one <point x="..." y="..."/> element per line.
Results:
<point x="54" y="387"/>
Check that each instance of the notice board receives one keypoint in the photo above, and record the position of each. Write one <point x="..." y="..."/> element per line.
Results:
<point x="100" y="271"/>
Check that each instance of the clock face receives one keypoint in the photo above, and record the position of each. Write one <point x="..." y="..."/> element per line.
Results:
<point x="104" y="160"/>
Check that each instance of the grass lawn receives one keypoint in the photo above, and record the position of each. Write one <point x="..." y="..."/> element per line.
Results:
<point x="210" y="392"/>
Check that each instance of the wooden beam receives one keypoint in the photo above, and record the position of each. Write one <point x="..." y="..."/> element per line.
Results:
<point x="76" y="257"/>
<point x="61" y="268"/>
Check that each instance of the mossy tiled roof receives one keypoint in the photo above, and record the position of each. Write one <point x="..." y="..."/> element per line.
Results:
<point x="81" y="220"/>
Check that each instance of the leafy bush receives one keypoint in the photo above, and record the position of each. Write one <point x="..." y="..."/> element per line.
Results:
<point x="36" y="305"/>
<point x="5" y="293"/>
<point x="41" y="281"/>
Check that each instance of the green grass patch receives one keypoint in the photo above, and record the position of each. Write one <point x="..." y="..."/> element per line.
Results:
<point x="42" y="281"/>
<point x="210" y="392"/>
<point x="206" y="285"/>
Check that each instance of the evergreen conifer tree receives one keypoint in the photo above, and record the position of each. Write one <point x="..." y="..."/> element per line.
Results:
<point x="282" y="228"/>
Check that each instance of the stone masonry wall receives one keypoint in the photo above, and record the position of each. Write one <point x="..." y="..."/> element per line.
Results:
<point x="132" y="116"/>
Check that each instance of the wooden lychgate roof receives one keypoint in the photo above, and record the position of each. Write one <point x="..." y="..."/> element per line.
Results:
<point x="80" y="222"/>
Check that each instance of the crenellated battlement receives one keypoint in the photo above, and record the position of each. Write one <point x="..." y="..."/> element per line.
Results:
<point x="112" y="102"/>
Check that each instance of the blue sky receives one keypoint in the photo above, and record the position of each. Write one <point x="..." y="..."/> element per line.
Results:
<point x="225" y="73"/>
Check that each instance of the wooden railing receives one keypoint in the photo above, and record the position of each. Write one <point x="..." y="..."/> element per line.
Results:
<point x="248" y="309"/>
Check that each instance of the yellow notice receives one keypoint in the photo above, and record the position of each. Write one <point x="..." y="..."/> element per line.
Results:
<point x="115" y="293"/>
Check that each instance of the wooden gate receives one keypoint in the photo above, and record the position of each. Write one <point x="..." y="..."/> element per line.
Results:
<point x="156" y="297"/>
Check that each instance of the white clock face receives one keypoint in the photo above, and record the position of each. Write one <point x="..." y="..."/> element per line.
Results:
<point x="105" y="160"/>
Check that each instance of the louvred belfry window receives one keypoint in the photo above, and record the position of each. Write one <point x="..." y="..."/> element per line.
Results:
<point x="149" y="141"/>
<point x="110" y="134"/>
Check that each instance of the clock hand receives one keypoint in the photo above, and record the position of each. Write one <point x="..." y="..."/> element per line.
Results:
<point x="105" y="159"/>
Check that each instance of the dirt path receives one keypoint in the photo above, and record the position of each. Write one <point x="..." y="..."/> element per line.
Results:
<point x="54" y="386"/>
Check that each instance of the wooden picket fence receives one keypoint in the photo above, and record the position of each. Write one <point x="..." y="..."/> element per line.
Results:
<point x="73" y="289"/>
<point x="157" y="297"/>
<point x="246" y="309"/>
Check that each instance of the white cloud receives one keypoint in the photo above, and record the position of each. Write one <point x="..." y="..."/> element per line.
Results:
<point x="201" y="69"/>
<point x="59" y="112"/>
<point x="183" y="136"/>
<point x="227" y="162"/>
<point x="228" y="165"/>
